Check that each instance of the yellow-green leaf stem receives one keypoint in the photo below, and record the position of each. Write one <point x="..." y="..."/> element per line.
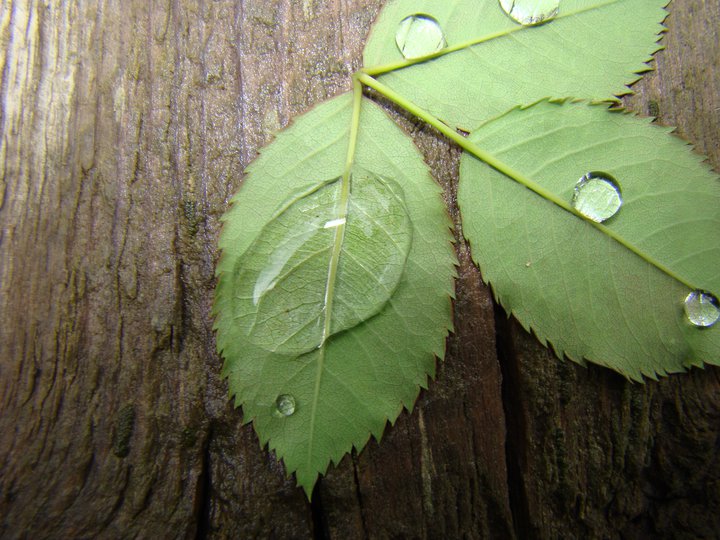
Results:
<point x="498" y="165"/>
<point x="335" y="258"/>
<point x="342" y="212"/>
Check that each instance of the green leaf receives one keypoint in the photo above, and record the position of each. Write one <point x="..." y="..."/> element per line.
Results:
<point x="588" y="294"/>
<point x="592" y="49"/>
<point x="397" y="228"/>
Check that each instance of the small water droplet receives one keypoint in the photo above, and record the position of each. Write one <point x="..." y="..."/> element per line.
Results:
<point x="597" y="196"/>
<point x="702" y="308"/>
<point x="530" y="12"/>
<point x="419" y="35"/>
<point x="284" y="405"/>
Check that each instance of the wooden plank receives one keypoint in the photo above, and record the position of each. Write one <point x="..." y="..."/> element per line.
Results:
<point x="125" y="129"/>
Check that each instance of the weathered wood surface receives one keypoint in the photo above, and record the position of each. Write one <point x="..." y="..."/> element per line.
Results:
<point x="125" y="129"/>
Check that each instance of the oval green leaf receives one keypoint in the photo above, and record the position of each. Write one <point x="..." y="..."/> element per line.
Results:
<point x="592" y="49"/>
<point x="313" y="408"/>
<point x="586" y="293"/>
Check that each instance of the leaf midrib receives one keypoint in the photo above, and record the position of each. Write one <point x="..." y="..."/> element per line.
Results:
<point x="335" y="257"/>
<point x="375" y="71"/>
<point x="490" y="159"/>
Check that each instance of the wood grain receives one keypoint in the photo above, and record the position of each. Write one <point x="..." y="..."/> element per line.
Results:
<point x="125" y="127"/>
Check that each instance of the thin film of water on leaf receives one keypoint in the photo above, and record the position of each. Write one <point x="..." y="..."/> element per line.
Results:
<point x="597" y="196"/>
<point x="313" y="248"/>
<point x="284" y="406"/>
<point x="530" y="12"/>
<point x="702" y="308"/>
<point x="419" y="35"/>
<point x="267" y="279"/>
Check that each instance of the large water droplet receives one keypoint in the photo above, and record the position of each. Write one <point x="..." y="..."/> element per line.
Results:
<point x="284" y="405"/>
<point x="702" y="308"/>
<point x="597" y="196"/>
<point x="530" y="12"/>
<point x="419" y="35"/>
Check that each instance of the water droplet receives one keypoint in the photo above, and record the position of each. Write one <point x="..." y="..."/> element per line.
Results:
<point x="702" y="308"/>
<point x="597" y="196"/>
<point x="284" y="405"/>
<point x="419" y="35"/>
<point x="530" y="12"/>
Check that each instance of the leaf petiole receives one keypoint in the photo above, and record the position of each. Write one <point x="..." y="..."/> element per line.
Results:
<point x="492" y="161"/>
<point x="354" y="127"/>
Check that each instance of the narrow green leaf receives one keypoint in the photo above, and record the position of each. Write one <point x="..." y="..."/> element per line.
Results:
<point x="592" y="49"/>
<point x="394" y="268"/>
<point x="586" y="293"/>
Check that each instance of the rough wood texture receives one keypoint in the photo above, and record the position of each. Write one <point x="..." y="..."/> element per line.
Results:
<point x="125" y="129"/>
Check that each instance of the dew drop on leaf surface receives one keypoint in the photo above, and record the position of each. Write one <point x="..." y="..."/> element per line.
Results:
<point x="702" y="308"/>
<point x="419" y="35"/>
<point x="597" y="196"/>
<point x="530" y="12"/>
<point x="284" y="405"/>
